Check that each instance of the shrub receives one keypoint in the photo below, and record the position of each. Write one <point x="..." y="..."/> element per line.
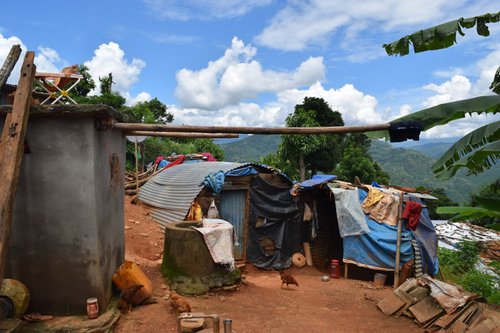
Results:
<point x="478" y="283"/>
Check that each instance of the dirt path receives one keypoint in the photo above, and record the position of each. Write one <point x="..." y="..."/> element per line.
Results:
<point x="260" y="305"/>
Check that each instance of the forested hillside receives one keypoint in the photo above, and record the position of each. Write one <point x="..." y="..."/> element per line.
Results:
<point x="406" y="166"/>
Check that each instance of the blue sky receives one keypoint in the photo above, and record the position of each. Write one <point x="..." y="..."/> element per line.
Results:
<point x="238" y="62"/>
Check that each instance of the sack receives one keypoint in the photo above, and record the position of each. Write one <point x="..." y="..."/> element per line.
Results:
<point x="213" y="212"/>
<point x="195" y="213"/>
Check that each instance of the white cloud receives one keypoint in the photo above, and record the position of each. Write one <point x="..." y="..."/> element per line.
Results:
<point x="110" y="58"/>
<point x="141" y="97"/>
<point x="236" y="76"/>
<point x="355" y="107"/>
<point x="459" y="128"/>
<point x="48" y="60"/>
<point x="203" y="9"/>
<point x="487" y="68"/>
<point x="302" y="24"/>
<point x="457" y="88"/>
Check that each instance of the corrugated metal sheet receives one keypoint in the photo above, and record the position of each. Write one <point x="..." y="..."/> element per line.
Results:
<point x="232" y="209"/>
<point x="172" y="190"/>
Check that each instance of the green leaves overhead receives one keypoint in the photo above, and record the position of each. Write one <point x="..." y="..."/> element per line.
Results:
<point x="444" y="113"/>
<point x="440" y="36"/>
<point x="477" y="151"/>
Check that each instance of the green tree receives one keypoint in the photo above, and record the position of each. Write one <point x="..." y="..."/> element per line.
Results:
<point x="85" y="85"/>
<point x="442" y="200"/>
<point x="106" y="84"/>
<point x="312" y="153"/>
<point x="357" y="162"/>
<point x="150" y="112"/>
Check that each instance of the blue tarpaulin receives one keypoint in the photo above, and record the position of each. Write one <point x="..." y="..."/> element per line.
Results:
<point x="245" y="171"/>
<point x="317" y="180"/>
<point x="378" y="247"/>
<point x="215" y="180"/>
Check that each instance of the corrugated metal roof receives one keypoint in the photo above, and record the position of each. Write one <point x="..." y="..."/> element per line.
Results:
<point x="172" y="190"/>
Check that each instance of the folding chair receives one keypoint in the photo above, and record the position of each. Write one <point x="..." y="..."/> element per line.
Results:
<point x="56" y="84"/>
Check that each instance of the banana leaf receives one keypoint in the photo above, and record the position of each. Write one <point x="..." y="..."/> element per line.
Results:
<point x="477" y="151"/>
<point x="466" y="213"/>
<point x="440" y="36"/>
<point x="444" y="113"/>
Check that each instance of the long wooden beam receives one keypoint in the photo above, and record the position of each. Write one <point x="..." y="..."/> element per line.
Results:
<point x="250" y="130"/>
<point x="11" y="152"/>
<point x="182" y="134"/>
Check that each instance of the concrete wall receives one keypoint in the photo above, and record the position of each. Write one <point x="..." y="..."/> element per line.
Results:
<point x="67" y="235"/>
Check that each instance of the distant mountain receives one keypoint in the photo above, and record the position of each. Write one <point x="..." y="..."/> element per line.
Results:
<point x="413" y="168"/>
<point x="435" y="149"/>
<point x="251" y="149"/>
<point x="408" y="167"/>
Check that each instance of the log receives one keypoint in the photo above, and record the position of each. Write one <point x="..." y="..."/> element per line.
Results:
<point x="9" y="64"/>
<point x="11" y="151"/>
<point x="398" y="240"/>
<point x="182" y="134"/>
<point x="129" y="127"/>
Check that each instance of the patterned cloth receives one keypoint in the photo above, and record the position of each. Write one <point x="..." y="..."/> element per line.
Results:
<point x="218" y="235"/>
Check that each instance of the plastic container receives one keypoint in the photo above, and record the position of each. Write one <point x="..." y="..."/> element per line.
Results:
<point x="92" y="308"/>
<point x="128" y="275"/>
<point x="335" y="269"/>
<point x="228" y="326"/>
<point x="379" y="279"/>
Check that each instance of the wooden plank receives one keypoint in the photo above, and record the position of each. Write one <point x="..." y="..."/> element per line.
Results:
<point x="398" y="240"/>
<point x="11" y="151"/>
<point x="391" y="304"/>
<point x="182" y="134"/>
<point x="426" y="309"/>
<point x="9" y="64"/>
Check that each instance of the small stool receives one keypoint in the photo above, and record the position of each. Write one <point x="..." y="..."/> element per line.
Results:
<point x="55" y="85"/>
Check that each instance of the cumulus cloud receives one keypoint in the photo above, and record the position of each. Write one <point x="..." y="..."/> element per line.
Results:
<point x="457" y="88"/>
<point x="301" y="24"/>
<point x="48" y="60"/>
<point x="141" y="97"/>
<point x="203" y="9"/>
<point x="355" y="107"/>
<point x="237" y="76"/>
<point x="110" y="58"/>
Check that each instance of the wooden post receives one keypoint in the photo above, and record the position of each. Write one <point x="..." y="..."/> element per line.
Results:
<point x="11" y="152"/>
<point x="398" y="242"/>
<point x="136" y="173"/>
<point x="9" y="64"/>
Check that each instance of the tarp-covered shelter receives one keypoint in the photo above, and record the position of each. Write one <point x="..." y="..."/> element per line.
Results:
<point x="254" y="198"/>
<point x="341" y="229"/>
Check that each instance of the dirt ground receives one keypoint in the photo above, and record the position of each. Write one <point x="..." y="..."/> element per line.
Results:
<point x="338" y="305"/>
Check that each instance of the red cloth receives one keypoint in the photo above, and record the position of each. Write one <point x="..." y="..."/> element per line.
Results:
<point x="159" y="159"/>
<point x="178" y="160"/>
<point x="210" y="157"/>
<point x="412" y="214"/>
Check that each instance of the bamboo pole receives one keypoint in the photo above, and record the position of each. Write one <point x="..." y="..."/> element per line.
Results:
<point x="11" y="152"/>
<point x="182" y="134"/>
<point x="128" y="127"/>
<point x="398" y="241"/>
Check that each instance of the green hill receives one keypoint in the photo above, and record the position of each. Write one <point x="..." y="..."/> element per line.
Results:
<point x="251" y="149"/>
<point x="407" y="167"/>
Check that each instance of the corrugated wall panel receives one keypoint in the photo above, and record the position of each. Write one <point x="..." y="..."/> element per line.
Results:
<point x="232" y="209"/>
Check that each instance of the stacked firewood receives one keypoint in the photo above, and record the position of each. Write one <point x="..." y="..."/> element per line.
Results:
<point x="440" y="307"/>
<point x="142" y="178"/>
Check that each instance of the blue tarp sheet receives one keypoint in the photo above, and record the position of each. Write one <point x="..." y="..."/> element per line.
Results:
<point x="317" y="180"/>
<point x="378" y="247"/>
<point x="245" y="171"/>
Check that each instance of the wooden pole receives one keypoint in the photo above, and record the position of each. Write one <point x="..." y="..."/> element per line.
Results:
<point x="126" y="127"/>
<point x="11" y="152"/>
<point x="9" y="64"/>
<point x="398" y="241"/>
<point x="182" y="134"/>
<point x="136" y="173"/>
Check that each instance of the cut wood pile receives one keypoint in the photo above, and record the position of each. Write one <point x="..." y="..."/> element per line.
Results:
<point x="130" y="179"/>
<point x="440" y="307"/>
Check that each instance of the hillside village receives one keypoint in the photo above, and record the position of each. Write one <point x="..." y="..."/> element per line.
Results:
<point x="116" y="218"/>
